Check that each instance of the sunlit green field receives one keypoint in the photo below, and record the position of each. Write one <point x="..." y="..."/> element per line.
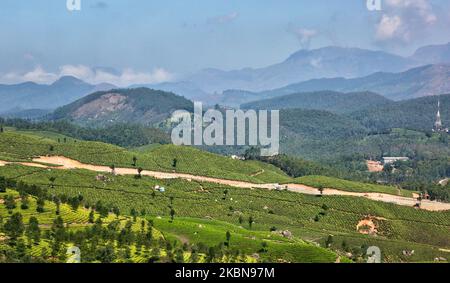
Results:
<point x="204" y="212"/>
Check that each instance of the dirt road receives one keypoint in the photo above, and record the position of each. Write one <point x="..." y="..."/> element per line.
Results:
<point x="65" y="163"/>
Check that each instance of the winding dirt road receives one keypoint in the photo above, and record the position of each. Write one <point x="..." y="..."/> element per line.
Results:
<point x="64" y="163"/>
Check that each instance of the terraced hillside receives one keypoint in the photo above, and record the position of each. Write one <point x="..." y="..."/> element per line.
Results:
<point x="15" y="146"/>
<point x="203" y="212"/>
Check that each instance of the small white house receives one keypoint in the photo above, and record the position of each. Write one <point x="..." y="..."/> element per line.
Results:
<point x="391" y="160"/>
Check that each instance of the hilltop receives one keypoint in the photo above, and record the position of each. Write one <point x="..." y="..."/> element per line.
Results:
<point x="417" y="114"/>
<point x="140" y="105"/>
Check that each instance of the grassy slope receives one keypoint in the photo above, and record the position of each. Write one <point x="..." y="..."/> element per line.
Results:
<point x="422" y="230"/>
<point x="73" y="219"/>
<point x="195" y="231"/>
<point x="15" y="146"/>
<point x="212" y="232"/>
<point x="350" y="186"/>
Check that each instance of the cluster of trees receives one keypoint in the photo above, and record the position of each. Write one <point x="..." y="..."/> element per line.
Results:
<point x="125" y="135"/>
<point x="98" y="242"/>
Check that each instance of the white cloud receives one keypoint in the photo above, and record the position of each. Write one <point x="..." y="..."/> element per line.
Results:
<point x="404" y="21"/>
<point x="37" y="75"/>
<point x="388" y="27"/>
<point x="303" y="35"/>
<point x="94" y="76"/>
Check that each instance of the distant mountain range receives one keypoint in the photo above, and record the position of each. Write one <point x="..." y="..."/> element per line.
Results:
<point x="335" y="63"/>
<point x="30" y="95"/>
<point x="328" y="62"/>
<point x="329" y="68"/>
<point x="417" y="82"/>
<point x="331" y="101"/>
<point x="139" y="105"/>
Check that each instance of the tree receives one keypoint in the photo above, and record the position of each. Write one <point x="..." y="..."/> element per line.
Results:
<point x="179" y="256"/>
<point x="52" y="181"/>
<point x="2" y="185"/>
<point x="140" y="172"/>
<point x="134" y="214"/>
<point x="116" y="211"/>
<point x="57" y="202"/>
<point x="40" y="205"/>
<point x="10" y="203"/>
<point x="225" y="193"/>
<point x="174" y="163"/>
<point x="91" y="218"/>
<point x="250" y="222"/>
<point x="321" y="189"/>
<point x="329" y="241"/>
<point x="264" y="247"/>
<point x="25" y="203"/>
<point x="194" y="256"/>
<point x="33" y="231"/>
<point x="172" y="214"/>
<point x="211" y="255"/>
<point x="58" y="229"/>
<point x="134" y="161"/>
<point x="106" y="254"/>
<point x="14" y="226"/>
<point x="228" y="237"/>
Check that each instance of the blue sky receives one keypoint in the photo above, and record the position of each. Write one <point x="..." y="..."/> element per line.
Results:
<point x="154" y="41"/>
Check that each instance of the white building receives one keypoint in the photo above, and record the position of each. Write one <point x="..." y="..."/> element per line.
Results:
<point x="391" y="160"/>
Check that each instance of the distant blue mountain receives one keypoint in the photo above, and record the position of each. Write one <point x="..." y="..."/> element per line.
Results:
<point x="417" y="82"/>
<point x="30" y="95"/>
<point x="327" y="62"/>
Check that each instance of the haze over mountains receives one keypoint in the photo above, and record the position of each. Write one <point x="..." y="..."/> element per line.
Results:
<point x="29" y="95"/>
<point x="327" y="62"/>
<point x="417" y="82"/>
<point x="425" y="73"/>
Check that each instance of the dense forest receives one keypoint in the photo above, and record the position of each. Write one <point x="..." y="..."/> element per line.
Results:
<point x="331" y="101"/>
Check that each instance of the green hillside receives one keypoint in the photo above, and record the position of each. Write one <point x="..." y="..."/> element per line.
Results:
<point x="102" y="238"/>
<point x="203" y="212"/>
<point x="17" y="146"/>
<point x="417" y="114"/>
<point x="219" y="209"/>
<point x="331" y="101"/>
<point x="139" y="105"/>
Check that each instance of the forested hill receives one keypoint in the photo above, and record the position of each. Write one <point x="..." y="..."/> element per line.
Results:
<point x="140" y="105"/>
<point x="332" y="101"/>
<point x="417" y="114"/>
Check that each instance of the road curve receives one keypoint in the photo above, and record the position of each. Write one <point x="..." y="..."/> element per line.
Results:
<point x="64" y="163"/>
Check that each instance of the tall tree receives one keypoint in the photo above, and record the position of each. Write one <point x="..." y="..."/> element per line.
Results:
<point x="33" y="231"/>
<point x="14" y="227"/>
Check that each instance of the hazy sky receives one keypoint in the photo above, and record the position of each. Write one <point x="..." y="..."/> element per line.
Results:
<point x="159" y="40"/>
